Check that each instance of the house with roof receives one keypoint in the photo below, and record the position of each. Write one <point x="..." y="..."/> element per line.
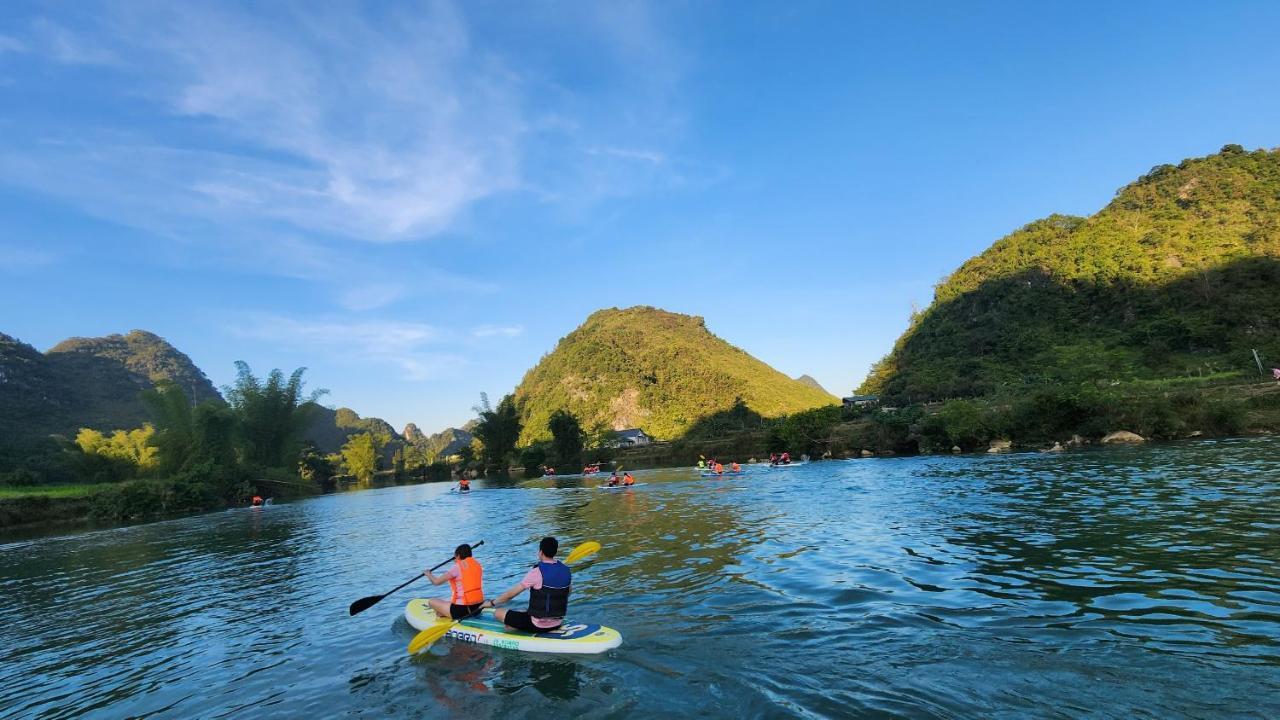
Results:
<point x="631" y="437"/>
<point x="858" y="401"/>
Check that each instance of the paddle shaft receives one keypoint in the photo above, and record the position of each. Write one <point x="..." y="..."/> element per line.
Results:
<point x="401" y="586"/>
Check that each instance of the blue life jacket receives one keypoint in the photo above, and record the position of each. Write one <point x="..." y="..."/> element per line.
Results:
<point x="552" y="599"/>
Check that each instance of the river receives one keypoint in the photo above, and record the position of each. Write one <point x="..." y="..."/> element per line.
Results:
<point x="1111" y="583"/>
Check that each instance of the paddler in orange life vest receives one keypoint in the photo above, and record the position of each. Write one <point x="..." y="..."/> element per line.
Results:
<point x="548" y="584"/>
<point x="735" y="467"/>
<point x="464" y="485"/>
<point x="628" y="480"/>
<point x="466" y="580"/>
<point x="257" y="500"/>
<point x="719" y="469"/>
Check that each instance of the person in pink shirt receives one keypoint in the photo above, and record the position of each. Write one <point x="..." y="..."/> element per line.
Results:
<point x="548" y="584"/>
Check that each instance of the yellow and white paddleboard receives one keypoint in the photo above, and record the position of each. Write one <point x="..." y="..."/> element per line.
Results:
<point x="484" y="629"/>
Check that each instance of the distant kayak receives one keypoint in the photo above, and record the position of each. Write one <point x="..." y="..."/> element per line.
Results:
<point x="618" y="487"/>
<point x="716" y="474"/>
<point x="484" y="629"/>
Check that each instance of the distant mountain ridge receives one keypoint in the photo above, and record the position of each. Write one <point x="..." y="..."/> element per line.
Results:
<point x="659" y="371"/>
<point x="88" y="382"/>
<point x="1178" y="275"/>
<point x="447" y="442"/>
<point x="811" y="382"/>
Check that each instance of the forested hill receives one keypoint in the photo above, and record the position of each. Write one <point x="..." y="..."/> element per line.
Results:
<point x="88" y="382"/>
<point x="656" y="370"/>
<point x="1178" y="275"/>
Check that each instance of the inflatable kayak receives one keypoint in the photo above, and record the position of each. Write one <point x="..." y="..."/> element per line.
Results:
<point x="715" y="474"/>
<point x="618" y="487"/>
<point x="577" y="638"/>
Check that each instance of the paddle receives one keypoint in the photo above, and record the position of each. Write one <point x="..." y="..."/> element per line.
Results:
<point x="426" y="638"/>
<point x="365" y="603"/>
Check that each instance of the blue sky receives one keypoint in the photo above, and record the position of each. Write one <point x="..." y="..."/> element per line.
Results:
<point x="417" y="200"/>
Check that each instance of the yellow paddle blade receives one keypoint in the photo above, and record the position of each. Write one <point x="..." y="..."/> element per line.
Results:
<point x="423" y="640"/>
<point x="590" y="547"/>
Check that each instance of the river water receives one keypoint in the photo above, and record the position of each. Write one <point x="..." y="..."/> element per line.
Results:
<point x="1135" y="582"/>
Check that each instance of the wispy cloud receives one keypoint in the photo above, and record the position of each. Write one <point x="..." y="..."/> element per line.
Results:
<point x="11" y="44"/>
<point x="379" y="124"/>
<point x="64" y="46"/>
<point x="406" y="345"/>
<point x="370" y="297"/>
<point x="648" y="156"/>
<point x="19" y="260"/>
<point x="486" y="331"/>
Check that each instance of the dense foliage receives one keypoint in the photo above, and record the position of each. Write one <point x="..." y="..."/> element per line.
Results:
<point x="498" y="429"/>
<point x="648" y="368"/>
<point x="1177" y="276"/>
<point x="83" y="382"/>
<point x="567" y="438"/>
<point x="360" y="455"/>
<point x="272" y="415"/>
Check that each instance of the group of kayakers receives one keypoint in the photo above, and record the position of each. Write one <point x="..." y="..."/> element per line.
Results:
<point x="548" y="583"/>
<point x="715" y="466"/>
<point x="591" y="469"/>
<point x="780" y="459"/>
<point x="625" y="481"/>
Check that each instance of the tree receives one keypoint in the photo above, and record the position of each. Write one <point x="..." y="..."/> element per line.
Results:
<point x="314" y="467"/>
<point x="175" y="433"/>
<point x="122" y="455"/>
<point x="360" y="455"/>
<point x="270" y="415"/>
<point x="567" y="437"/>
<point x="498" y="429"/>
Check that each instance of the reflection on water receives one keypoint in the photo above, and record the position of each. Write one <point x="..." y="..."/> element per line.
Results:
<point x="1135" y="581"/>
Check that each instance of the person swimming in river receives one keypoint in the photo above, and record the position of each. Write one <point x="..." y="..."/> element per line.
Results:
<point x="466" y="580"/>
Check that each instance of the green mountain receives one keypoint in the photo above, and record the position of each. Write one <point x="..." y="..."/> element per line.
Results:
<point x="440" y="445"/>
<point x="329" y="429"/>
<point x="656" y="370"/>
<point x="87" y="382"/>
<point x="811" y="382"/>
<point x="1179" y="275"/>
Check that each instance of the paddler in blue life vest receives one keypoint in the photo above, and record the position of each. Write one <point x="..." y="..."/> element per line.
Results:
<point x="548" y="584"/>
<point x="466" y="580"/>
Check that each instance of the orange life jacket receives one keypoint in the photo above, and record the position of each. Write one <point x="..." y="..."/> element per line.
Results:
<point x="257" y="500"/>
<point x="628" y="480"/>
<point x="468" y="587"/>
<point x="464" y="484"/>
<point x="719" y="468"/>
<point x="737" y="467"/>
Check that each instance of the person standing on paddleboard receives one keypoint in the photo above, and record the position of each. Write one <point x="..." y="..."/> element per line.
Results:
<point x="466" y="579"/>
<point x="548" y="584"/>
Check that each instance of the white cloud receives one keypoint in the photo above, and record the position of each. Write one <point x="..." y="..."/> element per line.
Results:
<point x="485" y="331"/>
<point x="379" y="131"/>
<point x="11" y="44"/>
<point x="403" y="344"/>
